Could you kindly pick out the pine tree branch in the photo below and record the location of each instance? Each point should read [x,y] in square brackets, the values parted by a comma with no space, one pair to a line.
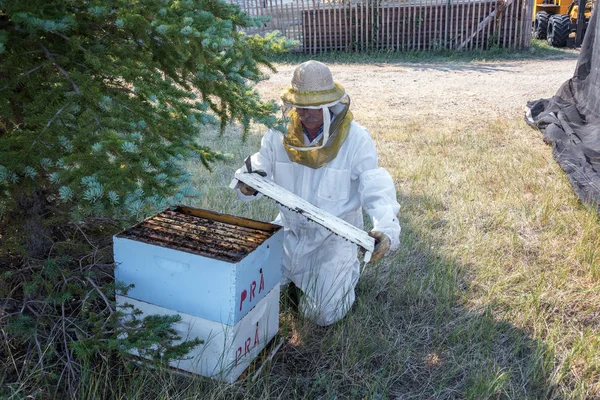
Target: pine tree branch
[32,70]
[10,354]
[62,71]
[67,352]
[53,118]
[64,37]
[91,281]
[4,76]
[95,116]
[40,352]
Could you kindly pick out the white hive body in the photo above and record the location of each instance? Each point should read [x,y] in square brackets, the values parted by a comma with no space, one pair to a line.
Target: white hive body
[219,272]
[227,349]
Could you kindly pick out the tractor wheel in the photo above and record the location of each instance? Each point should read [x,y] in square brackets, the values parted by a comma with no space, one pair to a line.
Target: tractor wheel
[558,30]
[540,25]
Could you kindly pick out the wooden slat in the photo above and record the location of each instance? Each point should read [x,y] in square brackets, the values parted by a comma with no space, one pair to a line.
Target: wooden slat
[315,27]
[396,29]
[336,28]
[491,27]
[320,29]
[329,43]
[388,25]
[502,22]
[343,24]
[292,6]
[415,25]
[373,12]
[400,27]
[429,17]
[381,25]
[285,19]
[356,35]
[376,19]
[270,12]
[339,27]
[473,22]
[391,24]
[360,20]
[509,15]
[527,21]
[306,23]
[411,26]
[418,25]
[347,22]
[519,25]
[367,27]
[528,13]
[455,23]
[512,25]
[259,14]
[435,13]
[476,33]
[467,22]
[461,31]
[315,214]
[374,16]
[424,25]
[445,21]
[379,20]
[521,40]
[275,16]
[402,19]
[315,31]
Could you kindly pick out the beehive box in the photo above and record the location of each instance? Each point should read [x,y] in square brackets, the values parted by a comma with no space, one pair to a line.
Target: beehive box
[227,350]
[201,263]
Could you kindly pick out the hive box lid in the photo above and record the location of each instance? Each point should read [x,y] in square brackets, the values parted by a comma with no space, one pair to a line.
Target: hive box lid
[227,350]
[199,262]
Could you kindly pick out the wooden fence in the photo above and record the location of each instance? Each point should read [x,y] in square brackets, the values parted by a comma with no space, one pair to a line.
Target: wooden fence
[396,25]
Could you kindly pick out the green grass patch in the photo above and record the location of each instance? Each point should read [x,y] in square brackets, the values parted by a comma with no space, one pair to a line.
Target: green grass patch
[539,50]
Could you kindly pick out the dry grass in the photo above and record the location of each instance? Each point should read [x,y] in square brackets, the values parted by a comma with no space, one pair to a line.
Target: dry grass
[495,291]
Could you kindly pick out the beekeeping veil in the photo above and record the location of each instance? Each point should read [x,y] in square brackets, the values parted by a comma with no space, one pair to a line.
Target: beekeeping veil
[313,88]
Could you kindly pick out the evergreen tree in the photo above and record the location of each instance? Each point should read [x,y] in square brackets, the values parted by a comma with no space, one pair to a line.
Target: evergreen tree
[100,105]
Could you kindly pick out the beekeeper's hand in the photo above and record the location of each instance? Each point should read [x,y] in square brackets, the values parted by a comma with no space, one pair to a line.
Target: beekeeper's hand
[246,189]
[382,245]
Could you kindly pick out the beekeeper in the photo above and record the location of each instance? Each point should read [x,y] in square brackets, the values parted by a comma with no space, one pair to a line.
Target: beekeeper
[329,160]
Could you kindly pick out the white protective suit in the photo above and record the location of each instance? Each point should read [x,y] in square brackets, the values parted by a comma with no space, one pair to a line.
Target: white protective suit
[323,265]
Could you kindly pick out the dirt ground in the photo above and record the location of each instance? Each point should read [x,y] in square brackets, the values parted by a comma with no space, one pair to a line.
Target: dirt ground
[440,92]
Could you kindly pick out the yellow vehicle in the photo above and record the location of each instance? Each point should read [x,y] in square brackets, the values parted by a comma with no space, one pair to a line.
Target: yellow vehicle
[555,20]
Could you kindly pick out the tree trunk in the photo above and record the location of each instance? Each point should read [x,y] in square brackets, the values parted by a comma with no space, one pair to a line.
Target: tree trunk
[30,223]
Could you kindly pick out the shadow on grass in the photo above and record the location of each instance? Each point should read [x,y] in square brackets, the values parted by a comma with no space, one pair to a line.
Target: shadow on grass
[409,336]
[539,50]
